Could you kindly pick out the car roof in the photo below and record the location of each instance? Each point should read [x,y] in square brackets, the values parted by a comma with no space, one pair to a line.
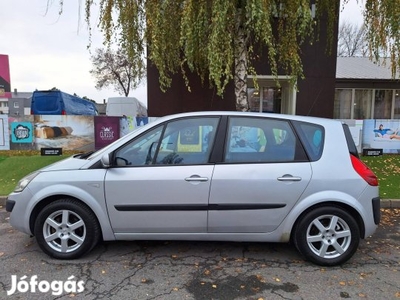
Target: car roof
[317,120]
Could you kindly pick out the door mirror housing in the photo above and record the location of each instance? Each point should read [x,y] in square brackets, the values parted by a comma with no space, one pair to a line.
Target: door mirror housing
[105,160]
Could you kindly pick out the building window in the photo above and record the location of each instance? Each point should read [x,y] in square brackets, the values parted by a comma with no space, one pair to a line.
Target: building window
[366,104]
[265,99]
[342,104]
[383,104]
[397,104]
[362,104]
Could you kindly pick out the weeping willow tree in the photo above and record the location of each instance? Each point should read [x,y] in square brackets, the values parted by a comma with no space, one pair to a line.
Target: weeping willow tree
[216,38]
[382,20]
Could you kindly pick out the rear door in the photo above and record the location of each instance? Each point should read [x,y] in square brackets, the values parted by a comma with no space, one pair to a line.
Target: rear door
[264,173]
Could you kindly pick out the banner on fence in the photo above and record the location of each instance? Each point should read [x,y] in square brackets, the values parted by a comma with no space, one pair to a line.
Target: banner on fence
[382,134]
[4,136]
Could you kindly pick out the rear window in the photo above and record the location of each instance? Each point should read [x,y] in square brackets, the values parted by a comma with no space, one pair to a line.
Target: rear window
[350,142]
[46,103]
[312,137]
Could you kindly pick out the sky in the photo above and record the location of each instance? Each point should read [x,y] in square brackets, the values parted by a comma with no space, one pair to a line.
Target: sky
[49,50]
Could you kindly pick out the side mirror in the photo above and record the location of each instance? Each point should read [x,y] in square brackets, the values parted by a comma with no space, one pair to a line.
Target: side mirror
[105,160]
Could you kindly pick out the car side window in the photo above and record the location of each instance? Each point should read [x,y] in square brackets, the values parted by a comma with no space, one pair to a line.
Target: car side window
[187,141]
[313,137]
[261,140]
[139,151]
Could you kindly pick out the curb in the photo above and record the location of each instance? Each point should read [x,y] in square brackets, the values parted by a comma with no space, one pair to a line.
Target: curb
[385,203]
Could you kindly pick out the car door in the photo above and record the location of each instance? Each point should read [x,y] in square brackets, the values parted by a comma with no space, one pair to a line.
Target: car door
[263,174]
[160,181]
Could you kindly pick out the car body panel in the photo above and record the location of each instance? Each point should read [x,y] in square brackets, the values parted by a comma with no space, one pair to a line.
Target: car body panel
[158,198]
[268,200]
[206,200]
[86,185]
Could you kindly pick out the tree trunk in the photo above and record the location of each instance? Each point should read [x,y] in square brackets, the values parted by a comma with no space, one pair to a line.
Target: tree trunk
[240,77]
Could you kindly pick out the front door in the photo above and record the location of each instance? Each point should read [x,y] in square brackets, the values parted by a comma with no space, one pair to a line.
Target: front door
[160,181]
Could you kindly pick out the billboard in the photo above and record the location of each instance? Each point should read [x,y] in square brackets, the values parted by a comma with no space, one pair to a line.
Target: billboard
[106,130]
[72,132]
[5,82]
[382,134]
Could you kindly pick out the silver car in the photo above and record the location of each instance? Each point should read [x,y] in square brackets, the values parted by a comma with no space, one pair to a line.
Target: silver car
[213,176]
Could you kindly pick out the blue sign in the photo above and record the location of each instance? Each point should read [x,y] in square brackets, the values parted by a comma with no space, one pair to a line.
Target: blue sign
[21,132]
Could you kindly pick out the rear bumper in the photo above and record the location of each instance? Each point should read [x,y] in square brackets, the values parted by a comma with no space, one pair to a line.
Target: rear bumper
[376,209]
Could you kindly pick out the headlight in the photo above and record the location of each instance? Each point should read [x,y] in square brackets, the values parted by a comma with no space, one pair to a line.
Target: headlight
[24,182]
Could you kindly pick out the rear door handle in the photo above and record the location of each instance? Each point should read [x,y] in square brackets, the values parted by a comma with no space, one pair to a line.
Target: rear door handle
[288,177]
[196,178]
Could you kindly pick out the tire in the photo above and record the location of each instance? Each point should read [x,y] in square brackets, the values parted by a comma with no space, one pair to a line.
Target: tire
[327,236]
[66,229]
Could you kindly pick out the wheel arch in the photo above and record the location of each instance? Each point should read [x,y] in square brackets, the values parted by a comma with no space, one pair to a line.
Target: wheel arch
[349,209]
[104,230]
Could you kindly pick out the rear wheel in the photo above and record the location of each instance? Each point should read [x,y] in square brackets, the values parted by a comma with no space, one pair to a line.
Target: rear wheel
[66,229]
[327,236]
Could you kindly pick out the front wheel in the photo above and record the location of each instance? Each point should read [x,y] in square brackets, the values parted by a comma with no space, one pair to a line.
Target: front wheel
[327,236]
[66,229]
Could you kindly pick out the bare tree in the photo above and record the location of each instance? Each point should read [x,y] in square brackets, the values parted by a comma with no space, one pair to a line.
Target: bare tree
[114,68]
[352,40]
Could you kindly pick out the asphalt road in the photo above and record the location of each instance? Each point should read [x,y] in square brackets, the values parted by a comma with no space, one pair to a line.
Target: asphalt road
[200,270]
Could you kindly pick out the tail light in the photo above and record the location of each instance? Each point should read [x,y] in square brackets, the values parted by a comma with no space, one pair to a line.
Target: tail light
[63,112]
[365,172]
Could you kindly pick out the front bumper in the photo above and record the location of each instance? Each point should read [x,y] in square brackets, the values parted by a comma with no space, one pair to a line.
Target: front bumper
[9,205]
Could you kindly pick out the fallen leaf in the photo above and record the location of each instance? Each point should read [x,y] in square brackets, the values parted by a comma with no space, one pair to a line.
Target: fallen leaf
[342,283]
[362,295]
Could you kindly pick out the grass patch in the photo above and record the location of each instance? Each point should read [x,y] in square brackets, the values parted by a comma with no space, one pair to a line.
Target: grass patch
[16,164]
[13,168]
[387,168]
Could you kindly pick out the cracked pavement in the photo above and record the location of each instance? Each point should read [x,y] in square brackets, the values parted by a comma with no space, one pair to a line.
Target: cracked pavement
[207,270]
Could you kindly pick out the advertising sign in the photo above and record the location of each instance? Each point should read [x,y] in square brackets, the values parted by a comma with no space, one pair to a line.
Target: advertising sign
[106,131]
[382,134]
[69,132]
[5,83]
[21,132]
